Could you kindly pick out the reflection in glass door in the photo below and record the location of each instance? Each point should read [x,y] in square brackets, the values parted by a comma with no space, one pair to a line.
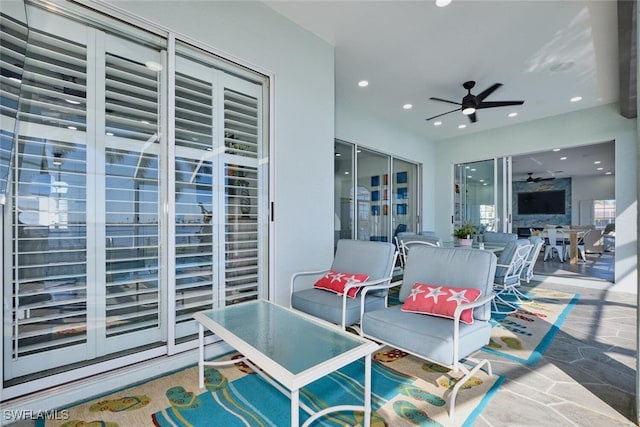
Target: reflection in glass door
[404,212]
[482,195]
[376,195]
[343,191]
[373,196]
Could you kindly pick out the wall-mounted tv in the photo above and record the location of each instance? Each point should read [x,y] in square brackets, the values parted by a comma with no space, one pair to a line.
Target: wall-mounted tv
[541,202]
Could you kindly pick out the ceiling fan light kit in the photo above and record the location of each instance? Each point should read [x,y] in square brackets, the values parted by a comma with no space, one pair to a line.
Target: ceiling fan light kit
[470,103]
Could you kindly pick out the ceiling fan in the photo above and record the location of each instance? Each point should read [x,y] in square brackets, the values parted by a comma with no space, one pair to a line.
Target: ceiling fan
[470,103]
[538,178]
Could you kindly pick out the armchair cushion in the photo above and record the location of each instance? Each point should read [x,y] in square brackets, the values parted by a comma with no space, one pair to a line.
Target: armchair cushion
[335,281]
[424,335]
[440,301]
[328,306]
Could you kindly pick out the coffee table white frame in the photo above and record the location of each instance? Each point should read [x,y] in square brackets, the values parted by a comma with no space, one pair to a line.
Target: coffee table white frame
[260,329]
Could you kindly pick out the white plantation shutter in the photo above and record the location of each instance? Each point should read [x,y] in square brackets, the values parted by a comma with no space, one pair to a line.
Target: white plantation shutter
[13,46]
[194,204]
[131,190]
[49,292]
[53,90]
[97,184]
[241,136]
[48,285]
[196,275]
[132,230]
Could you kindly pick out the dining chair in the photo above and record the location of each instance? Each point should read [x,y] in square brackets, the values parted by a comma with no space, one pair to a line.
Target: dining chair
[554,241]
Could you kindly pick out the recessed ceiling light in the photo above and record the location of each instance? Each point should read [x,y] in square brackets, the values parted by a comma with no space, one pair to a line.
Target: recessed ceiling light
[462,126]
[72,127]
[109,133]
[438,123]
[346,173]
[563,158]
[512,114]
[407,106]
[363,83]
[71,101]
[597,162]
[607,173]
[600,169]
[556,149]
[576,99]
[338,154]
[469,176]
[473,169]
[442,3]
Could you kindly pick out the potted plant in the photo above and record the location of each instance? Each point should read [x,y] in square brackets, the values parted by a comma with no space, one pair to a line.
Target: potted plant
[465,234]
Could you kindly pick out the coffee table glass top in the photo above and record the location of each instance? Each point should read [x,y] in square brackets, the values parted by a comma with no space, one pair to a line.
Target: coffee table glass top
[293,341]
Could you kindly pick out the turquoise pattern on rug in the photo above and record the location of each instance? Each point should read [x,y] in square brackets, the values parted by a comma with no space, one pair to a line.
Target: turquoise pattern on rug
[251,401]
[513,323]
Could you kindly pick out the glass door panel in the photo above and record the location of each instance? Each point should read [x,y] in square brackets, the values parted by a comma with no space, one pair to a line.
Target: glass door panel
[404,190]
[343,191]
[373,196]
[482,195]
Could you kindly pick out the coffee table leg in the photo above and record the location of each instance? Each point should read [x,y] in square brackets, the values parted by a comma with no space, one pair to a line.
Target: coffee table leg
[367,391]
[294,408]
[200,355]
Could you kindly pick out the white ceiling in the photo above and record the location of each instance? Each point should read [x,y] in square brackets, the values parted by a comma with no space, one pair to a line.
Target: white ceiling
[412,50]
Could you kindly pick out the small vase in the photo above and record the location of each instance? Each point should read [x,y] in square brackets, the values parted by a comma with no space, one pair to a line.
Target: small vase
[465,242]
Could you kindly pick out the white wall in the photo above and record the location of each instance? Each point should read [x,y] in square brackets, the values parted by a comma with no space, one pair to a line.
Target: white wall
[590,188]
[303,66]
[584,127]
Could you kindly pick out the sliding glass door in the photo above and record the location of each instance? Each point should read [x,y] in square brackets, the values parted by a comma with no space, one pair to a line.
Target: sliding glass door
[122,219]
[482,195]
[382,200]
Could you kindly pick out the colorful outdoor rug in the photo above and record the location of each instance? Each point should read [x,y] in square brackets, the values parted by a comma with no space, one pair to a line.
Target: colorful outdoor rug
[406,392]
[525,335]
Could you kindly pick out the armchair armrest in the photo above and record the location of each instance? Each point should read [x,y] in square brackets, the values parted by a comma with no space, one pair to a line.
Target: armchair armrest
[456,319]
[300,274]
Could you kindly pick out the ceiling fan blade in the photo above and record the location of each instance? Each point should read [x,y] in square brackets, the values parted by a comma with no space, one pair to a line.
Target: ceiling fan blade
[473,118]
[444,100]
[482,95]
[492,104]
[544,179]
[452,111]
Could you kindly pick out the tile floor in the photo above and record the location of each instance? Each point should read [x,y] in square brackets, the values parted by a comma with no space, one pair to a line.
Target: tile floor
[586,377]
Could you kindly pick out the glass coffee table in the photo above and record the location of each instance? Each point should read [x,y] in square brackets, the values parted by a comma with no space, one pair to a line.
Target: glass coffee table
[291,348]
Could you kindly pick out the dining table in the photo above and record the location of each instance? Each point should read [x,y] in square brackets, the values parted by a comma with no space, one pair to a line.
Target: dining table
[574,236]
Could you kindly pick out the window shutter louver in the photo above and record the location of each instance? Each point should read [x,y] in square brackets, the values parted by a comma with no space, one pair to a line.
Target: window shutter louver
[50,293]
[241,190]
[194,204]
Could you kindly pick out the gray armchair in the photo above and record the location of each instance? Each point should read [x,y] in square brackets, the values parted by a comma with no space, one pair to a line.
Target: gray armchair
[375,259]
[445,341]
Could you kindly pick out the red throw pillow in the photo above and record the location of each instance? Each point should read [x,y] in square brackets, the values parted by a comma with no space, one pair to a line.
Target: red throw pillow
[440,301]
[334,281]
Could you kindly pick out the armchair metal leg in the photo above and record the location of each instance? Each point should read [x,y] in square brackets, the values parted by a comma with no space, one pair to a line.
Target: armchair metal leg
[468,374]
